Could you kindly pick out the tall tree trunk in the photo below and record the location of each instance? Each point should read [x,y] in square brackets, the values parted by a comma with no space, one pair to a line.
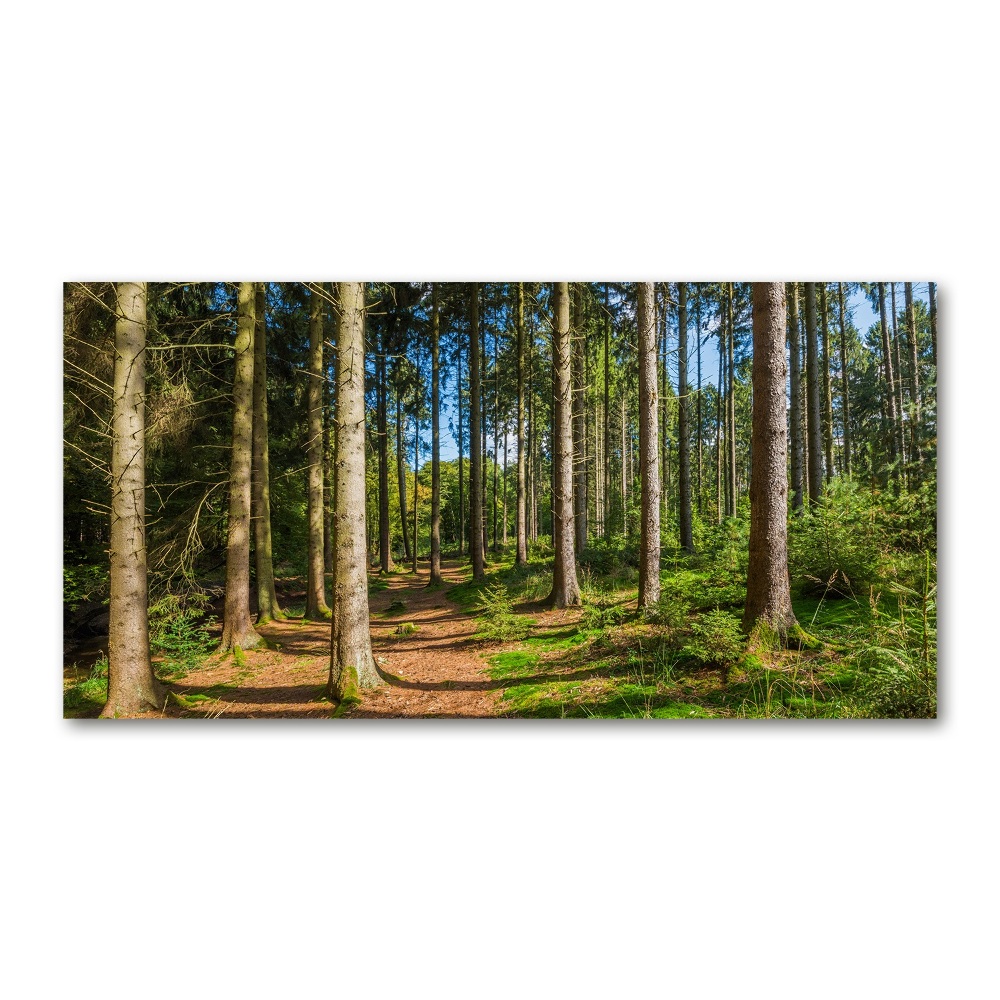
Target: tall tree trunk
[382,431]
[352,665]
[768,594]
[401,475]
[132,688]
[718,418]
[890,384]
[812,394]
[237,629]
[731,396]
[827,388]
[932,300]
[565,589]
[482,380]
[662,411]
[683,426]
[316,606]
[607,415]
[626,447]
[496,429]
[416,463]
[649,471]
[795,383]
[699,405]
[260,501]
[521,557]
[845,389]
[475,442]
[461,462]
[503,488]
[579,426]
[898,369]
[435,441]
[911,336]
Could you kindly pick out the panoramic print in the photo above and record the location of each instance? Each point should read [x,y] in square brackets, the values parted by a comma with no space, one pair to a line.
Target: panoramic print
[500,500]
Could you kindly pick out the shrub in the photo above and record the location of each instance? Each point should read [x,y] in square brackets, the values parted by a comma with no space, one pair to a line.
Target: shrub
[179,631]
[497,619]
[715,638]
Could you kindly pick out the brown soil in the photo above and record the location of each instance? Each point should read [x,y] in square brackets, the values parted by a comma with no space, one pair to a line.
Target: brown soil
[434,671]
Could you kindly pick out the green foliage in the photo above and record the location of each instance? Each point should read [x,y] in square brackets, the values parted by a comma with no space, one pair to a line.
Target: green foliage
[604,612]
[179,632]
[83,584]
[405,629]
[396,608]
[85,698]
[716,638]
[497,620]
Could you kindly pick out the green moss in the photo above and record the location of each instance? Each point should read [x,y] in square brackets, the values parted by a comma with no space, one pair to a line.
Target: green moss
[396,608]
[239,657]
[516,663]
[798,638]
[346,692]
[405,628]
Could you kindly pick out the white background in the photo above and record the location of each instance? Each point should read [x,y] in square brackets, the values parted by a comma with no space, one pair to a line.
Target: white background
[529,140]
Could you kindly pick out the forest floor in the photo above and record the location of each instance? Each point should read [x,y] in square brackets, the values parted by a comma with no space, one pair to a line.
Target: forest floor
[600,660]
[431,664]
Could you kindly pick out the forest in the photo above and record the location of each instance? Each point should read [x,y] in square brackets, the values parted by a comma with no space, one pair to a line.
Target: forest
[500,500]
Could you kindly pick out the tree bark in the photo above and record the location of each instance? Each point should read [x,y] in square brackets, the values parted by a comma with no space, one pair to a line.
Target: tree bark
[382,432]
[435,441]
[795,381]
[565,589]
[890,383]
[731,406]
[768,593]
[237,629]
[649,471]
[607,415]
[132,688]
[932,300]
[911,336]
[316,606]
[401,475]
[845,388]
[475,442]
[827,388]
[352,665]
[683,426]
[461,459]
[898,369]
[268,608]
[813,395]
[521,556]
[579,424]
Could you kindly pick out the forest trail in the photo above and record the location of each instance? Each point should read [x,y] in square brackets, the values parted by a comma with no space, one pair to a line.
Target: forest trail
[422,643]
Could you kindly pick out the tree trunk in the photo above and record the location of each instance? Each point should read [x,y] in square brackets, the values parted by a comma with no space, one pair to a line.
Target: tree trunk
[845,390]
[260,512]
[461,461]
[416,463]
[795,358]
[352,665]
[699,404]
[579,425]
[521,557]
[932,300]
[565,589]
[316,606]
[683,428]
[382,431]
[401,475]
[607,415]
[718,418]
[890,383]
[435,442]
[911,336]
[649,471]
[237,629]
[475,442]
[898,369]
[827,388]
[731,407]
[813,394]
[132,688]
[768,594]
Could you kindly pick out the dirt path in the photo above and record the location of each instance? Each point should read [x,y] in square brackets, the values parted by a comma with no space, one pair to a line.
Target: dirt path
[424,648]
